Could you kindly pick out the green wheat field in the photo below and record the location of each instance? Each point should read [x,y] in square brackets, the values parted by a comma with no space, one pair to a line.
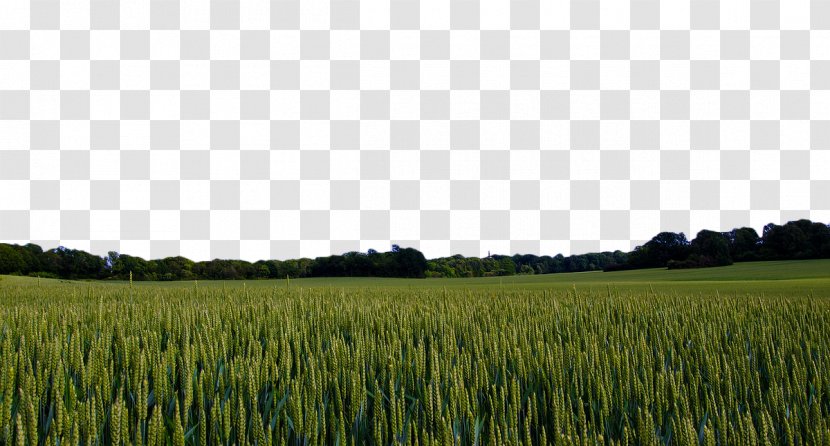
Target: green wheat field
[718,356]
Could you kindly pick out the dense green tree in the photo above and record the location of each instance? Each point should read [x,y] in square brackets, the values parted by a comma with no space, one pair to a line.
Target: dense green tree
[410,263]
[709,248]
[743,244]
[175,268]
[506,266]
[712,247]
[77,264]
[658,251]
[787,241]
[799,239]
[10,260]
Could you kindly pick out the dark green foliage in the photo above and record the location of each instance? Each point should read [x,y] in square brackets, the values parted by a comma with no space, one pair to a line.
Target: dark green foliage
[713,246]
[10,260]
[743,244]
[77,264]
[661,249]
[173,268]
[801,239]
[74,264]
[709,248]
[406,262]
[526,269]
[498,265]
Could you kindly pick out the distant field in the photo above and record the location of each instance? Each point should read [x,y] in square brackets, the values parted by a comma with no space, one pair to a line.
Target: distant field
[793,277]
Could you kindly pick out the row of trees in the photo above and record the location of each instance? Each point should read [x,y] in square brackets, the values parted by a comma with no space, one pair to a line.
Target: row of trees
[400,262]
[500,265]
[67,263]
[59,262]
[801,239]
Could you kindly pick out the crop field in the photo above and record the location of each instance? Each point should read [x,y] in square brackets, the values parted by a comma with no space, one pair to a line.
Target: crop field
[501,363]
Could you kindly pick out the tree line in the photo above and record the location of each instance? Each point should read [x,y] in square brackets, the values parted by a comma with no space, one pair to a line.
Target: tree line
[801,239]
[502,265]
[65,263]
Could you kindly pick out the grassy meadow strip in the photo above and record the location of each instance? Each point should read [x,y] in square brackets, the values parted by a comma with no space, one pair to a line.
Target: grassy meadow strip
[294,366]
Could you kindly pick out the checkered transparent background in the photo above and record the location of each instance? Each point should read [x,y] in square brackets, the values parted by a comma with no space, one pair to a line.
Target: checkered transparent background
[285,128]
